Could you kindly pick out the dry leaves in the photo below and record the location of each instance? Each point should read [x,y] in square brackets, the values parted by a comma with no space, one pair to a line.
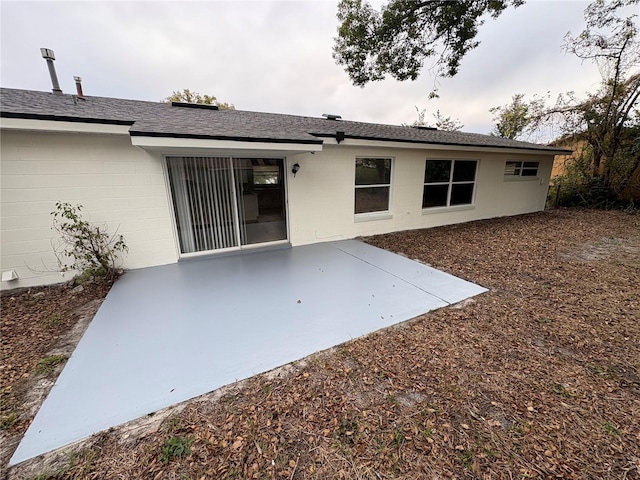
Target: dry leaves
[538,378]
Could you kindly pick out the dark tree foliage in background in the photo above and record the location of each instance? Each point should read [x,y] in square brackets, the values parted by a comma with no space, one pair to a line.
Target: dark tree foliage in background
[398,39]
[607,122]
[187,96]
[603,128]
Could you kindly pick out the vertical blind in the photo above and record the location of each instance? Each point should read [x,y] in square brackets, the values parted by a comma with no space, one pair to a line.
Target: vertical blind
[205,193]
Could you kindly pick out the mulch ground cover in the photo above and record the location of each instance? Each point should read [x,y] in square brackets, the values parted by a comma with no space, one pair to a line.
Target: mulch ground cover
[537,378]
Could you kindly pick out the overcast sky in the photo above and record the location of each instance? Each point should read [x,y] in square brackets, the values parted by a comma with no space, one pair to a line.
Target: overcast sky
[276,57]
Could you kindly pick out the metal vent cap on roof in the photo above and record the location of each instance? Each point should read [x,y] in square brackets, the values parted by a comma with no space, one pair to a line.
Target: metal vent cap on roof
[331,116]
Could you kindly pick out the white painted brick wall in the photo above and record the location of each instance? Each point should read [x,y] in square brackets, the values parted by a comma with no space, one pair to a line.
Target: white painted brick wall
[321,196]
[117,184]
[124,186]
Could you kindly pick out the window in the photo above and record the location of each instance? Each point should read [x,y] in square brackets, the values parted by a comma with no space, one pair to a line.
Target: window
[373,185]
[448,183]
[266,175]
[521,169]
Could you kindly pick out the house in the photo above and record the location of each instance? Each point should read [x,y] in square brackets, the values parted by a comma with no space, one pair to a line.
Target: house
[182,180]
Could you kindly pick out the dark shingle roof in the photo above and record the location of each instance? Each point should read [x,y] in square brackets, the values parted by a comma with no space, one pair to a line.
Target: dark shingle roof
[164,120]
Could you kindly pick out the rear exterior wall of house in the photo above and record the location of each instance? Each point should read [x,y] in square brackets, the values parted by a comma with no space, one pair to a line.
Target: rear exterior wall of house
[126,188]
[321,196]
[117,184]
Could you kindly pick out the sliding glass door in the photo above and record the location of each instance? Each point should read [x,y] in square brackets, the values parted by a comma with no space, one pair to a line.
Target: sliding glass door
[227,203]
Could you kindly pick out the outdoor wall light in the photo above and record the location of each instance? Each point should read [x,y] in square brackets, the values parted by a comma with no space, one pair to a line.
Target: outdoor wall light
[295,168]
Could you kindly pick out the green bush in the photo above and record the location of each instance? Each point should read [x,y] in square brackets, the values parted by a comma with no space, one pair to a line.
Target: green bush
[86,247]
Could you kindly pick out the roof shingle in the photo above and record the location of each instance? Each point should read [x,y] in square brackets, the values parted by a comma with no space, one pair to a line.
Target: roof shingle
[164,120]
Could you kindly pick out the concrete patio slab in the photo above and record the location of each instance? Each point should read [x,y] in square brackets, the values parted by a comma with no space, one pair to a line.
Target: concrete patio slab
[167,334]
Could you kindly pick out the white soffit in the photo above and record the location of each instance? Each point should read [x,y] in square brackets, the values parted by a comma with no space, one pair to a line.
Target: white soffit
[61,126]
[437,146]
[170,145]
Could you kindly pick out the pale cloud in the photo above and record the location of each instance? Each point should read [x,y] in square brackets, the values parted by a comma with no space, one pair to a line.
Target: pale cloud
[276,57]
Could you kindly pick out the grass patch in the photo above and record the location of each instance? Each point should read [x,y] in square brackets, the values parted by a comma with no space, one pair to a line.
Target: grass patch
[53,321]
[9,420]
[176,447]
[48,364]
[611,429]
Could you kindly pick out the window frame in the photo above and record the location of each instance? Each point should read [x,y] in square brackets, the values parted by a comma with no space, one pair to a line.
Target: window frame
[449,184]
[519,169]
[378,214]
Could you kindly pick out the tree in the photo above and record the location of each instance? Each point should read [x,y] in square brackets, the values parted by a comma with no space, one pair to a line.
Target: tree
[447,123]
[441,122]
[605,119]
[188,96]
[518,118]
[399,38]
[604,128]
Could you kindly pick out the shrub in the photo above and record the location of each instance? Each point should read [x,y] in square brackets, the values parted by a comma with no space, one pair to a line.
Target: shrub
[85,247]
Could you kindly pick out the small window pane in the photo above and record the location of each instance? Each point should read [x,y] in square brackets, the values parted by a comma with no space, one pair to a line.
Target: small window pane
[461,194]
[530,172]
[435,196]
[437,171]
[464,171]
[373,171]
[531,164]
[512,168]
[266,175]
[373,199]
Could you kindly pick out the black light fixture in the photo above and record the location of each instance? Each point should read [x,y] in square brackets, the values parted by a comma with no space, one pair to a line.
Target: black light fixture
[295,168]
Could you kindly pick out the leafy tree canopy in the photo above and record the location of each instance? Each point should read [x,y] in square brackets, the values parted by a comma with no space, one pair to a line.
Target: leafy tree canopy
[399,38]
[518,118]
[441,122]
[188,96]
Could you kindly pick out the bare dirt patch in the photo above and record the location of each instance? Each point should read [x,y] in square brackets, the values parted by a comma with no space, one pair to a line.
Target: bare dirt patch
[603,248]
[537,378]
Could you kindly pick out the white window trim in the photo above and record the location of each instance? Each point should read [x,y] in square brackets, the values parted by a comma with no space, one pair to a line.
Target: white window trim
[519,177]
[450,183]
[454,208]
[371,216]
[380,214]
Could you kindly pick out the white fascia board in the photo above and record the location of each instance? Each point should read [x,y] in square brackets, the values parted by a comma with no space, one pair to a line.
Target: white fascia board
[437,146]
[177,145]
[27,124]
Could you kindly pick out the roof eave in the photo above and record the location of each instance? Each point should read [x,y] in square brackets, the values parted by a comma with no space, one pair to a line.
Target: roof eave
[403,143]
[239,138]
[181,144]
[63,118]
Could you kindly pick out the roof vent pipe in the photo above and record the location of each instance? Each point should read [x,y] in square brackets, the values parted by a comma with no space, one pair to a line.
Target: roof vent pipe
[49,56]
[78,80]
